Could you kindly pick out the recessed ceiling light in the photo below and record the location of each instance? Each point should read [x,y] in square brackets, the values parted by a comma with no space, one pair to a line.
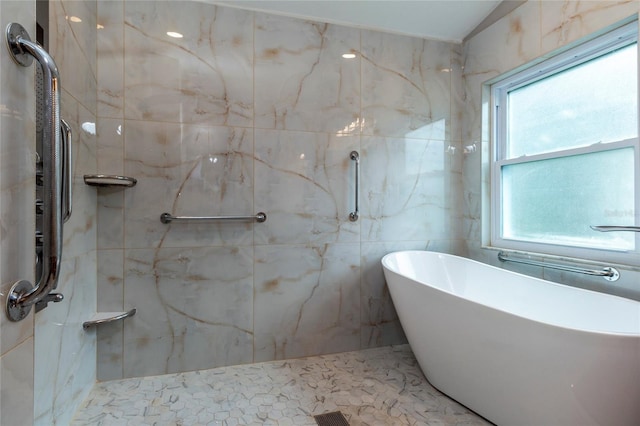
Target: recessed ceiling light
[348,55]
[174,34]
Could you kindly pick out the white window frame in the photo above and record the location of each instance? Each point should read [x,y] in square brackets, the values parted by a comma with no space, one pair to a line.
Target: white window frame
[499,88]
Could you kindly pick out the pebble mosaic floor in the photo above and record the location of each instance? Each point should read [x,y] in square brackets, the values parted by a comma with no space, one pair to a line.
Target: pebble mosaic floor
[382,386]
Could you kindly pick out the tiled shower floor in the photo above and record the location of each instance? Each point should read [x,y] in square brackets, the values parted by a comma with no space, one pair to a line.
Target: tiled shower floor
[382,386]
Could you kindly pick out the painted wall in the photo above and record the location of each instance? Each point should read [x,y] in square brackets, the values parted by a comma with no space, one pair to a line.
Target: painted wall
[530,31]
[251,112]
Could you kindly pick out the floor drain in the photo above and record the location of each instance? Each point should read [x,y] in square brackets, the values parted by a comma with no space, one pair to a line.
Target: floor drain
[331,419]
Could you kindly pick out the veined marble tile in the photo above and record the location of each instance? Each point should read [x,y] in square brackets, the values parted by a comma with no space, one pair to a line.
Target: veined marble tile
[203,77]
[306,300]
[110,146]
[110,58]
[518,38]
[16,392]
[110,209]
[407,189]
[305,183]
[458,95]
[187,170]
[110,290]
[406,86]
[81,119]
[563,22]
[17,215]
[194,309]
[302,82]
[380,325]
[65,367]
[110,297]
[73,47]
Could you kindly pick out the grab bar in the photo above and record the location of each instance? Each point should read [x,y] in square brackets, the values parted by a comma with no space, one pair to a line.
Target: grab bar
[168,218]
[606,228]
[67,170]
[608,273]
[23,294]
[353,216]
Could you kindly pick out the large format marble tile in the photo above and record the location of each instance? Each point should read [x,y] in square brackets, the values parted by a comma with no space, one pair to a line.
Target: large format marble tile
[65,367]
[110,299]
[307,300]
[407,189]
[302,82]
[563,22]
[187,170]
[203,77]
[305,183]
[16,392]
[17,179]
[110,58]
[194,309]
[406,86]
[72,44]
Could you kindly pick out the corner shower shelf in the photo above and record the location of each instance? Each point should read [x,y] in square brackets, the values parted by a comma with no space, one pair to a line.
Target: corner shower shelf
[107,317]
[111,181]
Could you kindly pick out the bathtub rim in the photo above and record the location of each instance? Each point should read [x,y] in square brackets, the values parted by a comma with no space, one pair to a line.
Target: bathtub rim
[618,334]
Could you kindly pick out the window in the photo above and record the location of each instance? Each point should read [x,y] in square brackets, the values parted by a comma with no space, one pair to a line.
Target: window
[565,152]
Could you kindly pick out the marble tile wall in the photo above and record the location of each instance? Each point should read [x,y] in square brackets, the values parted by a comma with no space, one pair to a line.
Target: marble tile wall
[17,184]
[253,112]
[64,361]
[532,30]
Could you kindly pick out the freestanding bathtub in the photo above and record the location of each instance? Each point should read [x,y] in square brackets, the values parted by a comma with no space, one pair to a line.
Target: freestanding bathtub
[518,350]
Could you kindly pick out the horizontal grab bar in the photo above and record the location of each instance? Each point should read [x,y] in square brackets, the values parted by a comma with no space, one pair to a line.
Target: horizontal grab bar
[608,273]
[168,218]
[111,317]
[607,228]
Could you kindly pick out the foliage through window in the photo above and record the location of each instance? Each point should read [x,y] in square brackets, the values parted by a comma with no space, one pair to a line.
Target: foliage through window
[565,151]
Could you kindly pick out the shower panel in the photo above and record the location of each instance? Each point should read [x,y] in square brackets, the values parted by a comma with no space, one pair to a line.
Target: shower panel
[53,178]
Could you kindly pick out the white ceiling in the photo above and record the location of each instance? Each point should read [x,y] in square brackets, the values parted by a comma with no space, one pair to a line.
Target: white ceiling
[449,20]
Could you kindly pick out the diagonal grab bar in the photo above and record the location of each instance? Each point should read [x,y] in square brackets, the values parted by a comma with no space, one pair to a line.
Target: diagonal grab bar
[23,294]
[608,273]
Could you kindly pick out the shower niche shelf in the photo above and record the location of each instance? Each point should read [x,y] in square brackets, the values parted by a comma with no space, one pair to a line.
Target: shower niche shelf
[110,181]
[107,318]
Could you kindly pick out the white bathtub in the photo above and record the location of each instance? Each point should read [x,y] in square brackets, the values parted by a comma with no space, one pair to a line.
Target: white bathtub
[515,349]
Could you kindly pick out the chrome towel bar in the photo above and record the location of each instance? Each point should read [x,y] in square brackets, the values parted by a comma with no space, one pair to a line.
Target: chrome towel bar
[608,273]
[168,218]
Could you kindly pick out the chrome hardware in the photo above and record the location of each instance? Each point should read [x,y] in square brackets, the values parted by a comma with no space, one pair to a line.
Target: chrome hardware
[108,317]
[354,156]
[168,218]
[67,170]
[51,297]
[608,273]
[110,181]
[616,228]
[23,294]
